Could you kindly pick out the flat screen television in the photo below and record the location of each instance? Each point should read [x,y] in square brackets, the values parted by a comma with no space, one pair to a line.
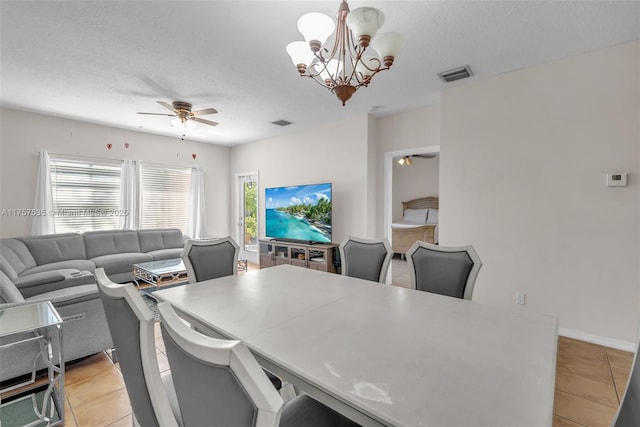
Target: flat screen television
[299,213]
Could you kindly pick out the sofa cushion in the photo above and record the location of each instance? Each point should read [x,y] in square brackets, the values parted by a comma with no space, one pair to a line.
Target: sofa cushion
[55,247]
[120,263]
[166,253]
[8,291]
[15,257]
[99,243]
[162,238]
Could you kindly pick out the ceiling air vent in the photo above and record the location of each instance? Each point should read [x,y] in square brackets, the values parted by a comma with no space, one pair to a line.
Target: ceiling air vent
[455,74]
[281,123]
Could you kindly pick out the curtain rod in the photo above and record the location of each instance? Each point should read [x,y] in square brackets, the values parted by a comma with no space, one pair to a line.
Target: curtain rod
[72,156]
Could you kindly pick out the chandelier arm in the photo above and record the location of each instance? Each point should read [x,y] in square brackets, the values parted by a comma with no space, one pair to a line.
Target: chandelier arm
[376,69]
[357,51]
[319,55]
[332,78]
[318,81]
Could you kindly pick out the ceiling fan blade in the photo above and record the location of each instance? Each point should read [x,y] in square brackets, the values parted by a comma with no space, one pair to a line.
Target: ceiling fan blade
[204,112]
[206,122]
[167,105]
[159,114]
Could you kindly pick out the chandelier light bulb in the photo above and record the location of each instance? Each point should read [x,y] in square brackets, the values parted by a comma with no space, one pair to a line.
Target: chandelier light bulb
[388,45]
[316,28]
[300,55]
[364,22]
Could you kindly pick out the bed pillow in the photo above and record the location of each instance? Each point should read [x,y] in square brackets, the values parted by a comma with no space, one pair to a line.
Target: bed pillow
[432,217]
[415,216]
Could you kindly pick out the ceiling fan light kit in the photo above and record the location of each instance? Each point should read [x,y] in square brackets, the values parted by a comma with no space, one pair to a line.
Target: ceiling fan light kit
[184,117]
[406,160]
[346,68]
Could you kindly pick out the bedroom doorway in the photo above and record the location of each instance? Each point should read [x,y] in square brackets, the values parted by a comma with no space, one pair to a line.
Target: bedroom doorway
[416,176]
[247,232]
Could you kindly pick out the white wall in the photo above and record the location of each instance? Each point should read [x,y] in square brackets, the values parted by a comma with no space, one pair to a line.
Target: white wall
[398,132]
[333,152]
[23,134]
[522,174]
[421,179]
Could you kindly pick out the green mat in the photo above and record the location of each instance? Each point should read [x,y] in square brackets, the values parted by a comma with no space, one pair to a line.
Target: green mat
[18,411]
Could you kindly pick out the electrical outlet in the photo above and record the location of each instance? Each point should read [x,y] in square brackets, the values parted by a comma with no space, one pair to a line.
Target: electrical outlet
[520,298]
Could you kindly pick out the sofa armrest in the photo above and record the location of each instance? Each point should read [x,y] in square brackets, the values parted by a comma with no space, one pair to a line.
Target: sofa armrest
[36,279]
[67,296]
[61,297]
[70,279]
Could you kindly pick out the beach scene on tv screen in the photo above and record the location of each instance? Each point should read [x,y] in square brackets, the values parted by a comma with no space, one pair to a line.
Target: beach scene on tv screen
[301,212]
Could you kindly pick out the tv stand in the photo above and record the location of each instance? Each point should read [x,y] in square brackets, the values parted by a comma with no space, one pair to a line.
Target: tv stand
[316,256]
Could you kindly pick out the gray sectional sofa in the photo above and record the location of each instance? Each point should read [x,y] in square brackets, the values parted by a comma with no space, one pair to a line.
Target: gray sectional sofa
[59,268]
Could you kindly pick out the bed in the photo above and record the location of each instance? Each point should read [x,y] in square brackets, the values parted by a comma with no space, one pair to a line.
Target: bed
[419,222]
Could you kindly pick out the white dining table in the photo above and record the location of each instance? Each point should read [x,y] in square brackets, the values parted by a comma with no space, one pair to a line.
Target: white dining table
[381,354]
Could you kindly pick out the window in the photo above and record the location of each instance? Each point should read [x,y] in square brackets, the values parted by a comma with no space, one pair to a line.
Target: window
[165,197]
[86,195]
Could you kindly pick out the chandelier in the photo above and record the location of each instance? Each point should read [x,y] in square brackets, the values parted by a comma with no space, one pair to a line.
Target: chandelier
[350,64]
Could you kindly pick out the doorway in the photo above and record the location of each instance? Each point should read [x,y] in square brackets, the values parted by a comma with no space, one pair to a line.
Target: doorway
[247,231]
[419,157]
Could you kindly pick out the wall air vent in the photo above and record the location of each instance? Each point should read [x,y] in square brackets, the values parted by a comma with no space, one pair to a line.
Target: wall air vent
[455,74]
[281,123]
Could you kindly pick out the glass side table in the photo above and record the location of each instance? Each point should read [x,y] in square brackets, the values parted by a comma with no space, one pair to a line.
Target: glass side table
[159,273]
[38,322]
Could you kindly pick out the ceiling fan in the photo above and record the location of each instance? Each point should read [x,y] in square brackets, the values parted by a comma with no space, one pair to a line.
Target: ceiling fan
[182,110]
[406,160]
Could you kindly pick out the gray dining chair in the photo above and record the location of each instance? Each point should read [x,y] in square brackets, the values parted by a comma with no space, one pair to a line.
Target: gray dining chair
[152,395]
[366,259]
[443,270]
[219,383]
[629,412]
[210,259]
[214,258]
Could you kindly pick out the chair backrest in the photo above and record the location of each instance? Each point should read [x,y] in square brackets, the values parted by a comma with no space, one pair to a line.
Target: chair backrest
[218,382]
[132,329]
[366,258]
[210,259]
[450,271]
[629,411]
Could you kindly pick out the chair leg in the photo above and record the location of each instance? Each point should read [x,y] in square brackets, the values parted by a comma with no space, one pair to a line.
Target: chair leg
[113,355]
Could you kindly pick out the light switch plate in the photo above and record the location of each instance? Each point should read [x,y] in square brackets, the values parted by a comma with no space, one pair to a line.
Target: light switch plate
[616,179]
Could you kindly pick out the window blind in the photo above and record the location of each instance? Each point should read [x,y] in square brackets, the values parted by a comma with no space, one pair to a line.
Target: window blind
[86,195]
[165,197]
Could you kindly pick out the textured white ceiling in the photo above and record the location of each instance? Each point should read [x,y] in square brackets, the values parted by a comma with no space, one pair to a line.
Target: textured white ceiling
[102,61]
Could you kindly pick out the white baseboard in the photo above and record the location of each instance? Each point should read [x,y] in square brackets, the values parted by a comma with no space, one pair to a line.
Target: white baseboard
[596,339]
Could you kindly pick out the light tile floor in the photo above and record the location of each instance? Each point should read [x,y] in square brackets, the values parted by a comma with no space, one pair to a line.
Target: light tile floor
[590,381]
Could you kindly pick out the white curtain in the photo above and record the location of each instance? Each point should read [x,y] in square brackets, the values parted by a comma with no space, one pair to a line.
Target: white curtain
[43,203]
[197,226]
[130,195]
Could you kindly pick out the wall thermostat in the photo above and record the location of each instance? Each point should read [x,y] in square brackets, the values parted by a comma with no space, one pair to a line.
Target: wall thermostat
[616,179]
